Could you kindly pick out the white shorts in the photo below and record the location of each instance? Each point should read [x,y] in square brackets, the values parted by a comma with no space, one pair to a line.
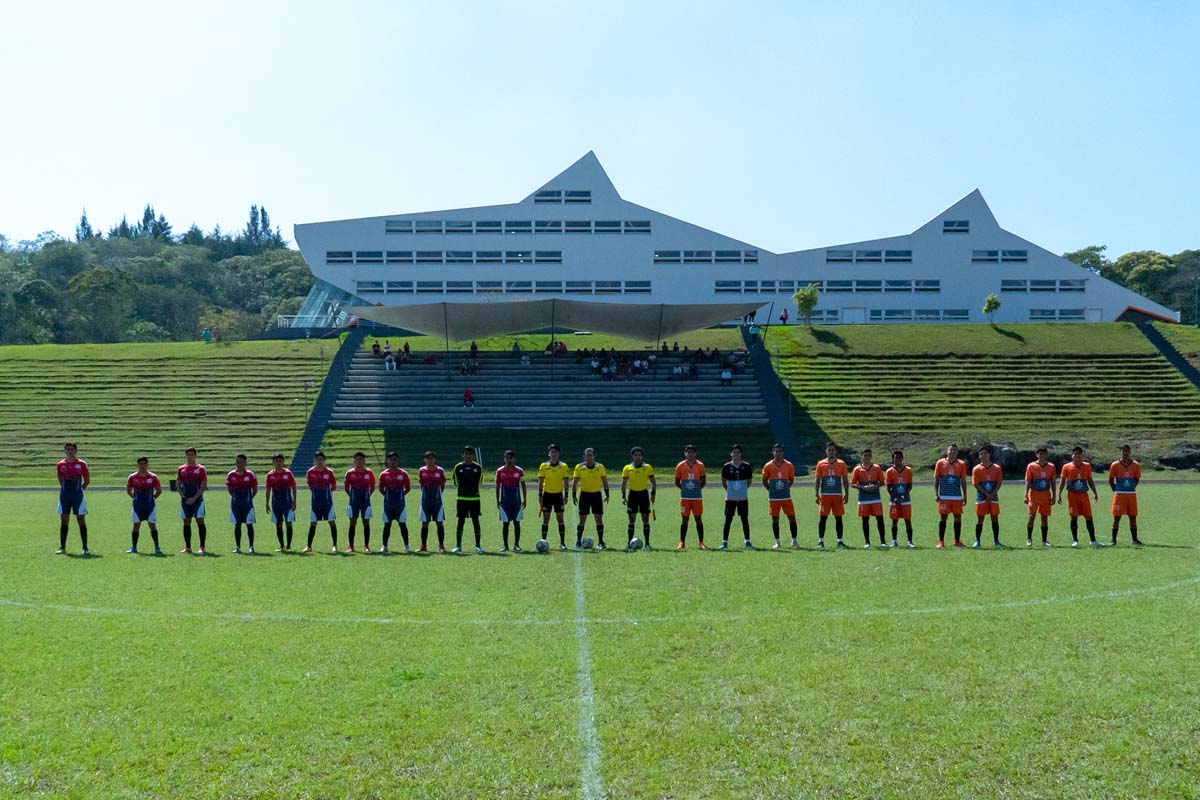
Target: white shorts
[249,516]
[504,517]
[289,517]
[365,512]
[199,510]
[439,517]
[152,519]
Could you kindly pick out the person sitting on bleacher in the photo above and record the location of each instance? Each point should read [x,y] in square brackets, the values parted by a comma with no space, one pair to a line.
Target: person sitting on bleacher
[406,353]
[726,377]
[468,398]
[516,350]
[595,366]
[389,362]
[376,350]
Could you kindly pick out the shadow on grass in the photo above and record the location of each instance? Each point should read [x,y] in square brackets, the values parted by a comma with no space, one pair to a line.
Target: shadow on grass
[831,338]
[1016,337]
[89,556]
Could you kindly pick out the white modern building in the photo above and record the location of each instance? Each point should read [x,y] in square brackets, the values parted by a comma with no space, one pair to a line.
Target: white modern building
[575,254]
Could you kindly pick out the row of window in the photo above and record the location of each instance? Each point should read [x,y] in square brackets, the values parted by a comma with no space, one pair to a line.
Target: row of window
[999,256]
[867,256]
[1047,285]
[1056,315]
[563,196]
[874,286]
[705,256]
[447,226]
[956,226]
[919,315]
[443,257]
[502,287]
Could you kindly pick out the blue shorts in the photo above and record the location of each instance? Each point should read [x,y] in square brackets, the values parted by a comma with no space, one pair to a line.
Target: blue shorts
[195,510]
[241,513]
[72,503]
[432,513]
[510,512]
[144,512]
[395,513]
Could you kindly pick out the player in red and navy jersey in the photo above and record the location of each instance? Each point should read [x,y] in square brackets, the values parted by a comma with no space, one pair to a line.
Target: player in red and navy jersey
[73,478]
[143,488]
[1124,475]
[432,480]
[191,479]
[510,499]
[1075,480]
[321,482]
[281,500]
[359,486]
[394,484]
[242,485]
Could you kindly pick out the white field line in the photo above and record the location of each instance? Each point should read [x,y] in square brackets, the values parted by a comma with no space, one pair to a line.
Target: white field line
[589,766]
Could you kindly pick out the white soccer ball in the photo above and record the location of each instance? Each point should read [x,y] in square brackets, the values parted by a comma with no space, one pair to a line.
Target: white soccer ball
[585,543]
[635,543]
[543,546]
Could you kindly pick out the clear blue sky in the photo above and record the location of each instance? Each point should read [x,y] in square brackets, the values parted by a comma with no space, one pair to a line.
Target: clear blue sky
[789,125]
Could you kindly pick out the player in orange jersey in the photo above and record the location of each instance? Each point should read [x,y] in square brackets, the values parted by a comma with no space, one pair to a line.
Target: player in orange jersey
[867,478]
[1039,495]
[778,475]
[1074,483]
[832,488]
[899,480]
[987,478]
[1124,475]
[690,479]
[950,484]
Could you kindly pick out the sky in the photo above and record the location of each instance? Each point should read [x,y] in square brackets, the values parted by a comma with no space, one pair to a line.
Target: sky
[789,125]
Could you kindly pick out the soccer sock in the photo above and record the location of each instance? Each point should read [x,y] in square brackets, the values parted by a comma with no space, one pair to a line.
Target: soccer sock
[203,531]
[745,527]
[1116,527]
[562,533]
[958,529]
[775,527]
[404,533]
[367,534]
[600,533]
[250,535]
[441,535]
[516,534]
[154,536]
[646,532]
[1091,526]
[1045,529]
[821,528]
[895,529]
[333,533]
[424,535]
[133,537]
[995,529]
[879,528]
[62,535]
[1132,530]
[837,526]
[478,533]
[908,528]
[579,532]
[187,535]
[237,535]
[350,533]
[629,530]
[866,528]
[504,534]
[683,526]
[942,529]
[792,525]
[458,532]
[289,536]
[83,534]
[312,532]
[387,533]
[700,530]
[978,528]
[279,533]
[1075,529]
[728,522]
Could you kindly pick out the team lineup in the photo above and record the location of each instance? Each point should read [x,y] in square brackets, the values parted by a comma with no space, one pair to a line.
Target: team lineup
[586,486]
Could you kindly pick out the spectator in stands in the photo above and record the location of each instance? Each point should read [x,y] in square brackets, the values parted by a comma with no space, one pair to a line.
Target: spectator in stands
[516,349]
[428,359]
[474,348]
[637,365]
[387,348]
[753,333]
[595,366]
[676,347]
[407,353]
[726,377]
[562,347]
[206,334]
[525,361]
[651,360]
[677,371]
[389,362]
[376,350]
[783,316]
[665,349]
[468,398]
[693,371]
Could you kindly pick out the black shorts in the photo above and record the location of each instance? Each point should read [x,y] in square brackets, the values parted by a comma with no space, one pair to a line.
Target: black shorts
[552,501]
[638,501]
[467,509]
[591,503]
[739,507]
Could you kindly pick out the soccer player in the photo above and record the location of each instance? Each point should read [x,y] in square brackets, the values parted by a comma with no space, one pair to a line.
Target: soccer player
[1039,495]
[394,484]
[778,475]
[191,479]
[987,478]
[1075,482]
[281,500]
[359,484]
[321,482]
[638,489]
[867,478]
[899,481]
[143,488]
[73,478]
[242,486]
[832,490]
[510,500]
[432,480]
[467,476]
[690,479]
[588,478]
[735,480]
[1124,475]
[950,484]
[552,483]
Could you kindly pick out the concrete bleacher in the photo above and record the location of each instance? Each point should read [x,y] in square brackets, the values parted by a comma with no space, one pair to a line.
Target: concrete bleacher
[550,392]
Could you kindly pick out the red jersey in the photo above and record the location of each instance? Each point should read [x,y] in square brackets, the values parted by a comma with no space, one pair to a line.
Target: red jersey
[75,471]
[190,478]
[360,479]
[241,483]
[321,478]
[279,481]
[143,484]
[509,477]
[432,477]
[392,480]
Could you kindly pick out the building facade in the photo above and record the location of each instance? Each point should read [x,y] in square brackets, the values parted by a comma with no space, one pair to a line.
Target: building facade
[576,240]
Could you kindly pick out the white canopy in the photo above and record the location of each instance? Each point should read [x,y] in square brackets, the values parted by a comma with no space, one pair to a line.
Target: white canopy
[461,321]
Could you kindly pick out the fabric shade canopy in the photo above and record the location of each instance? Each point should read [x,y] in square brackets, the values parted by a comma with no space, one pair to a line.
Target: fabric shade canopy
[460,321]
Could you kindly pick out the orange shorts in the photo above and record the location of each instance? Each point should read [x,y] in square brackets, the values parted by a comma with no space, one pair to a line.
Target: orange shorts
[1036,506]
[691,507]
[988,508]
[900,511]
[870,509]
[950,507]
[1124,505]
[832,504]
[1079,504]
[785,506]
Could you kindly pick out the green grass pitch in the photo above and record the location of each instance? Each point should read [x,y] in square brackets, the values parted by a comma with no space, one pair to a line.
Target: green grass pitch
[995,674]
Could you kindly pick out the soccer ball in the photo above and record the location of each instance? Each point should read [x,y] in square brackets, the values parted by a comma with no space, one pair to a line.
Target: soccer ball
[585,543]
[635,543]
[543,546]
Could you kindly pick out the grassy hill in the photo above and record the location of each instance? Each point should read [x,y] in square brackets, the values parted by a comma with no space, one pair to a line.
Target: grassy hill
[918,387]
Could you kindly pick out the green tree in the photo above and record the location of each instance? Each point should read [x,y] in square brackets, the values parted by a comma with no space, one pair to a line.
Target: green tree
[39,321]
[991,304]
[194,236]
[1092,257]
[806,300]
[102,304]
[1144,271]
[84,231]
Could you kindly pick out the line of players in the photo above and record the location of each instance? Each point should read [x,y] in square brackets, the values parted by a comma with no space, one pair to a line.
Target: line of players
[590,491]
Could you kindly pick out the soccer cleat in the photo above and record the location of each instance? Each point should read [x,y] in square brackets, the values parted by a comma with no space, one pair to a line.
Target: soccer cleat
[883,546]
[187,550]
[1075,543]
[977,545]
[278,549]
[1114,542]
[913,546]
[747,545]
[366,550]
[333,549]
[87,553]
[158,551]
[842,545]
[602,546]
[1000,546]
[1046,543]
[383,551]
[562,547]
[504,549]
[250,551]
[680,546]
[1136,542]
[306,550]
[867,546]
[723,546]
[517,548]
[776,545]
[480,549]
[441,549]
[132,550]
[350,549]
[941,545]
[237,550]
[60,551]
[456,550]
[795,543]
[1097,544]
[820,544]
[702,546]
[407,549]
[202,551]
[958,543]
[894,543]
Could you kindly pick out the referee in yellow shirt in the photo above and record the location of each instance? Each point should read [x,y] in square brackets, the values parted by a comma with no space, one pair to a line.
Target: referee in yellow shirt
[638,488]
[589,478]
[552,481]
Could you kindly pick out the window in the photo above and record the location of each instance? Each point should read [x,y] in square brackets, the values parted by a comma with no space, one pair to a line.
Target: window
[787,286]
[876,315]
[1073,285]
[398,226]
[839,286]
[697,256]
[489,287]
[1014,255]
[666,257]
[579,226]
[766,287]
[429,256]
[985,255]
[637,226]
[369,287]
[548,226]
[578,196]
[1070,315]
[868,256]
[1043,286]
[518,227]
[487,257]
[898,315]
[729,256]
[518,287]
[956,226]
[547,257]
[518,257]
[927,315]
[488,227]
[547,287]
[607,226]
[825,315]
[897,256]
[800,284]
[637,287]
[460,226]
[729,287]
[897,286]
[400,287]
[750,256]
[750,287]
[927,285]
[429,226]
[459,287]
[838,256]
[1042,314]
[429,287]
[548,196]
[399,257]
[868,286]
[459,256]
[339,257]
[955,315]
[1014,285]
[579,287]
[608,287]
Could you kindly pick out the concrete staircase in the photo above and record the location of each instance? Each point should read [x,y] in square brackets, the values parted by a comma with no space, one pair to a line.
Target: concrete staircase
[1170,353]
[323,407]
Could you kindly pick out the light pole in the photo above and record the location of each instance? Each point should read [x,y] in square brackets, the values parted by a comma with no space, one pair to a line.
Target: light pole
[307,384]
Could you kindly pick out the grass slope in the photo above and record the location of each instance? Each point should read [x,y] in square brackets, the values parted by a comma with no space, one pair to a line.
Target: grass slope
[924,673]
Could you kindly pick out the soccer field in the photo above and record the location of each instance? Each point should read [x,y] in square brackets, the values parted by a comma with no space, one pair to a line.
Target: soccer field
[1023,673]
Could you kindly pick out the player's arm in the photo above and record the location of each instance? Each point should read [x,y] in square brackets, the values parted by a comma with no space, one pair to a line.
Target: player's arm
[87,477]
[129,487]
[604,483]
[254,490]
[1092,486]
[497,490]
[157,488]
[1112,481]
[524,493]
[653,487]
[203,488]
[346,483]
[1062,481]
[845,479]
[816,487]
[624,485]
[678,481]
[575,490]
[703,479]
[294,490]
